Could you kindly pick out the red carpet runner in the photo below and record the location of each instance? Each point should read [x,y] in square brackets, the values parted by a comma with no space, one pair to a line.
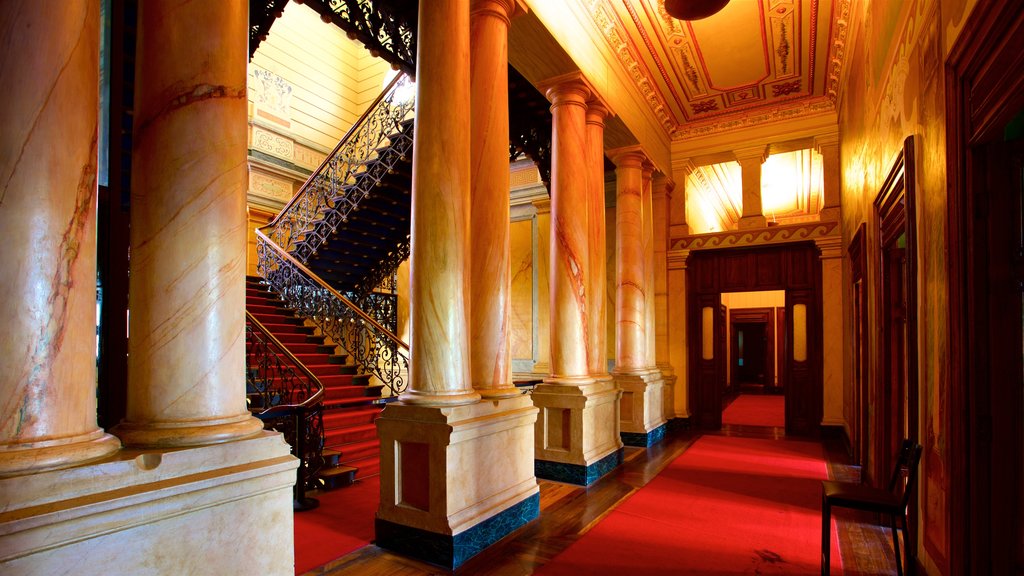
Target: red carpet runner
[341,524]
[726,506]
[756,410]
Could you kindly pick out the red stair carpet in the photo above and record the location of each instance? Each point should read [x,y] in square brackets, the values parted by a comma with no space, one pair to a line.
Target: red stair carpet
[727,505]
[756,410]
[341,524]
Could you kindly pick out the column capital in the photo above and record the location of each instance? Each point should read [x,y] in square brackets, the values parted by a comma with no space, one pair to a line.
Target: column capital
[597,111]
[677,259]
[571,88]
[543,206]
[628,157]
[648,169]
[825,141]
[753,154]
[503,9]
[830,247]
[663,186]
[682,167]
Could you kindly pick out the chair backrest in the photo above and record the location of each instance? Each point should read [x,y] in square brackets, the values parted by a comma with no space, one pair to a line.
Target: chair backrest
[904,474]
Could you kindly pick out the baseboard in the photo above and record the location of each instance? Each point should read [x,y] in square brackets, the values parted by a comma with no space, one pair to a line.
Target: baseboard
[577,473]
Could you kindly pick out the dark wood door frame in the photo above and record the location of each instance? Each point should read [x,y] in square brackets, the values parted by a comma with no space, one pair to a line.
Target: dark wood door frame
[764,316]
[984,91]
[795,268]
[861,400]
[895,387]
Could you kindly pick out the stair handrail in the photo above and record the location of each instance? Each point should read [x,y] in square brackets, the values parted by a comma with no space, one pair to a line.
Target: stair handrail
[375,349]
[301,423]
[292,364]
[322,202]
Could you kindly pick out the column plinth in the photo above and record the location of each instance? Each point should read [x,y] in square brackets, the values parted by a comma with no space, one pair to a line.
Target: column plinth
[48,215]
[187,348]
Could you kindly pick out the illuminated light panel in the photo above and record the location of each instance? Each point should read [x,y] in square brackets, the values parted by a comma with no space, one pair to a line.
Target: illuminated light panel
[791,184]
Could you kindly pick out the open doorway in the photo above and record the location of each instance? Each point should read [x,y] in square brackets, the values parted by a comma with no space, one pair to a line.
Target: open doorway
[756,331]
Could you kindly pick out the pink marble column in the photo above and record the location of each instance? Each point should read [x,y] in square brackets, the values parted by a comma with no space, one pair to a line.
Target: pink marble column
[186,351]
[439,261]
[491,277]
[597,352]
[569,228]
[630,293]
[750,160]
[648,243]
[48,218]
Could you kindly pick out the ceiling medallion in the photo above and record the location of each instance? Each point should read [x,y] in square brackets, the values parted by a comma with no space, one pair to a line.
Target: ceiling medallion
[693,9]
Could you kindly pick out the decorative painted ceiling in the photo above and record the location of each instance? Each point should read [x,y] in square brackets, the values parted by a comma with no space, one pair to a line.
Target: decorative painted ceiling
[754,58]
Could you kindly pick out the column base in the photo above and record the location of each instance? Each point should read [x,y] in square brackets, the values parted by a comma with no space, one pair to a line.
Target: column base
[186,433]
[577,473]
[455,479]
[747,222]
[452,550]
[168,512]
[645,439]
[578,427]
[642,405]
[32,457]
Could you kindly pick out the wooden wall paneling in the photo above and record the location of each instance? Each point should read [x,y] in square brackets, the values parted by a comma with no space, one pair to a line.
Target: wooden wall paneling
[783,348]
[735,272]
[768,270]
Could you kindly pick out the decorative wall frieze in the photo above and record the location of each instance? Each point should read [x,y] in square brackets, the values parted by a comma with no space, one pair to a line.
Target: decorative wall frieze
[763,236]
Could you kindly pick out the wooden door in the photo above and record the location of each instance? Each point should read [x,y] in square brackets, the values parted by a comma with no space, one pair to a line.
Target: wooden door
[861,411]
[803,388]
[706,356]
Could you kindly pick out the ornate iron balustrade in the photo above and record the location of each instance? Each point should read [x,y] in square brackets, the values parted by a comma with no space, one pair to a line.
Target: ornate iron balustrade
[262,14]
[375,349]
[388,29]
[370,150]
[283,393]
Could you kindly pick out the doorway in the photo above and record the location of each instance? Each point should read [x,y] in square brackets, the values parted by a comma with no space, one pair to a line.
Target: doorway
[751,370]
[985,173]
[794,272]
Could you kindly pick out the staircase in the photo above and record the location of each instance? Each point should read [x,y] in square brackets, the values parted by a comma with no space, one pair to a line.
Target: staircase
[350,405]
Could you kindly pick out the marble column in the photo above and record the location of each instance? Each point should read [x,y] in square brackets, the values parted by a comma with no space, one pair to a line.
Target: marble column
[186,353]
[662,192]
[648,243]
[597,352]
[577,437]
[832,324]
[491,274]
[750,160]
[48,215]
[457,474]
[630,307]
[642,418]
[828,147]
[156,510]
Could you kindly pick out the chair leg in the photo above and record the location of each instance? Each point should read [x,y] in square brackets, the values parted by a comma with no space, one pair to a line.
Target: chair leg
[826,536]
[896,546]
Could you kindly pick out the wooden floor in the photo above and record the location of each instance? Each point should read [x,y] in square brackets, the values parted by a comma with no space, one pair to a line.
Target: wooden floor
[568,511]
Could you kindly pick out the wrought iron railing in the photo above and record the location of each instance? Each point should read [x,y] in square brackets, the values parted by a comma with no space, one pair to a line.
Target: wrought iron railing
[283,393]
[375,349]
[370,150]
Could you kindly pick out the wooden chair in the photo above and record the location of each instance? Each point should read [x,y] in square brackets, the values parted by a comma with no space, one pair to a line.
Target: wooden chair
[892,502]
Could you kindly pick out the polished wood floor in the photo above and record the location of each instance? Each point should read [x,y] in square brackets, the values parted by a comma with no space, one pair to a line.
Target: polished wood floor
[569,511]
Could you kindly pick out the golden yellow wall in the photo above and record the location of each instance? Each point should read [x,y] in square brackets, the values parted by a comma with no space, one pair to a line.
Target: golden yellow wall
[522,289]
[894,89]
[333,79]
